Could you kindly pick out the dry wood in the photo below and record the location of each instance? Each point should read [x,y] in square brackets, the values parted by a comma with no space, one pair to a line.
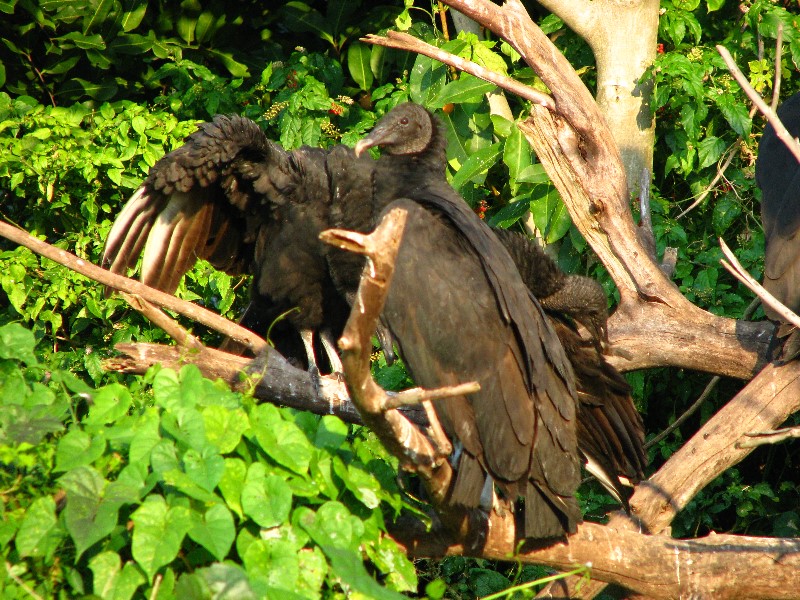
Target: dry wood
[277,382]
[718,567]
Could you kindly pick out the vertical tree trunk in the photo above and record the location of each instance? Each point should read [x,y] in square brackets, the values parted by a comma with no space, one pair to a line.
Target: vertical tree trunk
[623,36]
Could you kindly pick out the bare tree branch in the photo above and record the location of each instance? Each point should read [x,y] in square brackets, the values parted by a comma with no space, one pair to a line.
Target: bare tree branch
[781,131]
[403,41]
[717,566]
[125,284]
[736,269]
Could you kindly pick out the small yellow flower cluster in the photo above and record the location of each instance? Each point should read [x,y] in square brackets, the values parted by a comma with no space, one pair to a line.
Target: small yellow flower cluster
[273,110]
[330,129]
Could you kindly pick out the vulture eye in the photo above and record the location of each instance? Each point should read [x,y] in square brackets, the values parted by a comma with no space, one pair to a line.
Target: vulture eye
[404,121]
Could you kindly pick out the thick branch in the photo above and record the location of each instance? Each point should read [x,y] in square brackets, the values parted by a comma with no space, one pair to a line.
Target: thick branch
[279,383]
[717,566]
[764,404]
[398,435]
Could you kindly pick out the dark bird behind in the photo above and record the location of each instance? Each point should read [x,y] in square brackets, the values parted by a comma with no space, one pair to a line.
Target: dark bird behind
[778,176]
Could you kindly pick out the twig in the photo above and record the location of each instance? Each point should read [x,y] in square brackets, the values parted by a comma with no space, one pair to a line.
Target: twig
[404,41]
[28,590]
[776,87]
[776,436]
[780,130]
[414,396]
[125,284]
[720,172]
[160,319]
[686,414]
[738,271]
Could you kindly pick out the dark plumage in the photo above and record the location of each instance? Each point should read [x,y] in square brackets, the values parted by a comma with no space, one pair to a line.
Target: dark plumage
[610,432]
[610,429]
[231,196]
[778,176]
[580,298]
[459,311]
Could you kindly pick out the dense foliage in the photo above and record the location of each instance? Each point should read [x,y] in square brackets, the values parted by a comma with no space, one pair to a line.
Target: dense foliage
[169,485]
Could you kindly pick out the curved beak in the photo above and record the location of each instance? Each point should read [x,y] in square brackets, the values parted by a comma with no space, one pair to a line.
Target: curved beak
[364,144]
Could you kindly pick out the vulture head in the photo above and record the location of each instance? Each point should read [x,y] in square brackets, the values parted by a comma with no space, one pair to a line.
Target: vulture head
[405,130]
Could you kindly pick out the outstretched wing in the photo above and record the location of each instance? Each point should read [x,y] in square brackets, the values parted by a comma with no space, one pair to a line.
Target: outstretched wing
[205,199]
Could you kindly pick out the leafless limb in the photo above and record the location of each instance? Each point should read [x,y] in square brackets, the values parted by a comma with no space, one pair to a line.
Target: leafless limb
[736,269]
[404,41]
[419,395]
[759,438]
[135,288]
[781,131]
[720,172]
[776,86]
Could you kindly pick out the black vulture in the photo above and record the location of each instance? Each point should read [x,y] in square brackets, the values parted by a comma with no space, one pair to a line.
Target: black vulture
[778,176]
[459,311]
[610,429]
[448,268]
[238,200]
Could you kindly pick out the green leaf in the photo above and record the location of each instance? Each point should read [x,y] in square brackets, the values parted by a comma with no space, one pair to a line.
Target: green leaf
[182,482]
[477,164]
[232,484]
[510,213]
[358,63]
[427,79]
[331,432]
[551,216]
[709,150]
[363,485]
[276,563]
[133,17]
[109,581]
[39,534]
[393,561]
[158,532]
[464,89]
[78,448]
[215,531]
[88,515]
[347,565]
[96,18]
[516,153]
[219,581]
[301,17]
[234,67]
[735,112]
[283,441]
[204,467]
[18,343]
[85,42]
[109,404]
[224,427]
[727,211]
[267,499]
[332,524]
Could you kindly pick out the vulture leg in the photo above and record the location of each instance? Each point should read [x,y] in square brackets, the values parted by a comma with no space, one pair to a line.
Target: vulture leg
[307,335]
[329,344]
